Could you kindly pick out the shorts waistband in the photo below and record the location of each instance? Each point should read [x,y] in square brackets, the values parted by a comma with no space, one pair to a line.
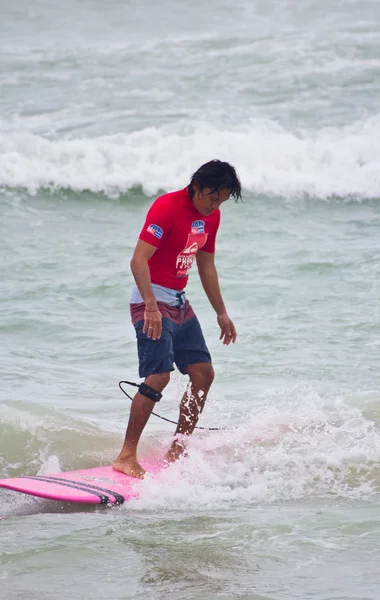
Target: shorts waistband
[162,294]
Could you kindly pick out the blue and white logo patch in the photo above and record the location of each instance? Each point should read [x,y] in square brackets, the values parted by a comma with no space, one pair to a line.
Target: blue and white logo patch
[198,227]
[155,230]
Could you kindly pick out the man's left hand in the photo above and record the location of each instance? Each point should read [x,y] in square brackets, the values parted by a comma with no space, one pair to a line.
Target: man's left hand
[228,331]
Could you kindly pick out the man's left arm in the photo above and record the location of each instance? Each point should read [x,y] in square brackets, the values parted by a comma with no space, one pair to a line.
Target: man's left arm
[210,282]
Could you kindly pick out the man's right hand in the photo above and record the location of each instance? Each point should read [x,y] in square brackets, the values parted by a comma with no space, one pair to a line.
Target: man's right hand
[152,323]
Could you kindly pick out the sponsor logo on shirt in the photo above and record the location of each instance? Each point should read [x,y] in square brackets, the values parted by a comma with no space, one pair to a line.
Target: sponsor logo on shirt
[155,230]
[198,227]
[193,249]
[185,259]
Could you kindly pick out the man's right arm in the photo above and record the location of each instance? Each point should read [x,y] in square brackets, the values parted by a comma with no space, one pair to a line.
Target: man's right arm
[140,269]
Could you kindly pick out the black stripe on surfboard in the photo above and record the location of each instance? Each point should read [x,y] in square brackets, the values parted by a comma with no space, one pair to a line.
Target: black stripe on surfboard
[87,486]
[103,498]
[84,487]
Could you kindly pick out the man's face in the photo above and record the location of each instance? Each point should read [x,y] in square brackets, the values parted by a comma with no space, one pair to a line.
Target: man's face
[206,201]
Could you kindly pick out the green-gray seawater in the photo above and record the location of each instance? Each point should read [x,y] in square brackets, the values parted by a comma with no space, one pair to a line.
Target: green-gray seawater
[101,109]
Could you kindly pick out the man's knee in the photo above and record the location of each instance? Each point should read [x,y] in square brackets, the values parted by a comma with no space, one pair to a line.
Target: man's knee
[201,375]
[158,381]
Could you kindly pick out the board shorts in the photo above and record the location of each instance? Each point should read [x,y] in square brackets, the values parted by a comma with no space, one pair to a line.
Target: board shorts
[181,342]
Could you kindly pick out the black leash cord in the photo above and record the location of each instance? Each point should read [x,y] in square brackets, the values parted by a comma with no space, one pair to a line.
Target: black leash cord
[159,416]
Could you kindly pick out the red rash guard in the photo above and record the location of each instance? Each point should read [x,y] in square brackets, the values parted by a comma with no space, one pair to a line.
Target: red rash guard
[178,231]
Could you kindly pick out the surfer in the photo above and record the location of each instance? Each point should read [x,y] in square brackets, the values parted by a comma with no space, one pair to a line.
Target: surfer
[180,226]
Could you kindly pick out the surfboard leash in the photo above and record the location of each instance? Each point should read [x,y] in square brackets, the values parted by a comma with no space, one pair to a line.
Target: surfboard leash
[159,416]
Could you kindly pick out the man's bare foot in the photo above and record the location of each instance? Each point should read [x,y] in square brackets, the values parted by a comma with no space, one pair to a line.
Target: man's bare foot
[130,467]
[175,451]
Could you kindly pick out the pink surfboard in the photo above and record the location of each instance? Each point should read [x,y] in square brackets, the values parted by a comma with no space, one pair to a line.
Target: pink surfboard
[100,485]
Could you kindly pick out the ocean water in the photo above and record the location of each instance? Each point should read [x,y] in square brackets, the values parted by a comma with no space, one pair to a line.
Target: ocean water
[102,107]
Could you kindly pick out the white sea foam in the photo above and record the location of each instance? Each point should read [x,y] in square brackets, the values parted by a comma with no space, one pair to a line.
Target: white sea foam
[49,463]
[312,449]
[270,160]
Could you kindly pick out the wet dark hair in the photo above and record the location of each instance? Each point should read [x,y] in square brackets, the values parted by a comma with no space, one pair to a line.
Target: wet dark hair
[216,175]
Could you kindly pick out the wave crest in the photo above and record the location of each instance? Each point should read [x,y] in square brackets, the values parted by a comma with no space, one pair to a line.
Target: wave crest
[270,160]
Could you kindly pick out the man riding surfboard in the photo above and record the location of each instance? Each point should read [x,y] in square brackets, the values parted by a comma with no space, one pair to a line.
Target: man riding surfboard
[180,227]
